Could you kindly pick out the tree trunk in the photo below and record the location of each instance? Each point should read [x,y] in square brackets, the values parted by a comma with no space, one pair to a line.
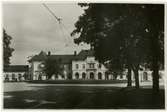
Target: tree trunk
[136,78]
[136,73]
[129,77]
[155,76]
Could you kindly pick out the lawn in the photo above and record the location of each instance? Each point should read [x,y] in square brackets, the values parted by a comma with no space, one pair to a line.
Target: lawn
[53,96]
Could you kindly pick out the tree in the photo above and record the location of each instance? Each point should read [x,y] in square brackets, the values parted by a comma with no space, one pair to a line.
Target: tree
[7,50]
[52,67]
[101,24]
[118,32]
[156,29]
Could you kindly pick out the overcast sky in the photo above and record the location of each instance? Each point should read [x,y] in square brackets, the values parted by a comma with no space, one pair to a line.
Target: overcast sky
[34,29]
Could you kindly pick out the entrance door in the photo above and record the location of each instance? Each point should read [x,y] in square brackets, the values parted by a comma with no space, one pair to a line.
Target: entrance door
[77,75]
[84,75]
[99,75]
[91,75]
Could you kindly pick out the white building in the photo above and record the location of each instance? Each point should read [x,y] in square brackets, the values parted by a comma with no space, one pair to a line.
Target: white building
[86,67]
[15,73]
[81,66]
[76,66]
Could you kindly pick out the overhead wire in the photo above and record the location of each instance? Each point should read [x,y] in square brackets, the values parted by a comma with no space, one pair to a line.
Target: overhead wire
[58,19]
[61,25]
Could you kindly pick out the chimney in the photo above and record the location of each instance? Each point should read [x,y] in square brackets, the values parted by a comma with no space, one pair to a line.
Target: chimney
[75,53]
[49,53]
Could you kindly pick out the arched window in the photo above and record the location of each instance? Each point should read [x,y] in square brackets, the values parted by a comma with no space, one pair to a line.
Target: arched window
[84,75]
[91,75]
[77,75]
[99,75]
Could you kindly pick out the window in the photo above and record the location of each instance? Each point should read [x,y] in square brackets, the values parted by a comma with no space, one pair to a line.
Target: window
[91,65]
[77,66]
[83,66]
[83,75]
[145,76]
[99,75]
[13,76]
[121,76]
[91,75]
[99,65]
[77,75]
[7,75]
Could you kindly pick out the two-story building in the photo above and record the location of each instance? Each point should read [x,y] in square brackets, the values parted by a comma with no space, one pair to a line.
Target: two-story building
[76,66]
[86,67]
[81,66]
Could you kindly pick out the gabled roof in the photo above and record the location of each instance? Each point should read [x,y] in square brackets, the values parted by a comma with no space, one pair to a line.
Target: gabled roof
[40,57]
[64,58]
[86,53]
[16,68]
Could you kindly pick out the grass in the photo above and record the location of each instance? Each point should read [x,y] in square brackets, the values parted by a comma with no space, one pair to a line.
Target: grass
[74,97]
[77,81]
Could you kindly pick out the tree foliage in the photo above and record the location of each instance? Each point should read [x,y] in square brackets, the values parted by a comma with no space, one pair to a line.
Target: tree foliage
[52,67]
[7,50]
[123,34]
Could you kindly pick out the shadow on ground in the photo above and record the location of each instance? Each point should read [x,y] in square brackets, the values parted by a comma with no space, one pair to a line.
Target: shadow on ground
[76,97]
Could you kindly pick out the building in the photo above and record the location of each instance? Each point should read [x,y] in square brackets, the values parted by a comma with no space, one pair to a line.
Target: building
[76,66]
[84,66]
[81,66]
[16,73]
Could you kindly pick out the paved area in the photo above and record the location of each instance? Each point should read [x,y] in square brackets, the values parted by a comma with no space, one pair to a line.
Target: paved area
[63,96]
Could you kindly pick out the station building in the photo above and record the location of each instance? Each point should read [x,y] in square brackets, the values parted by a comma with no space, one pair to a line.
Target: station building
[81,66]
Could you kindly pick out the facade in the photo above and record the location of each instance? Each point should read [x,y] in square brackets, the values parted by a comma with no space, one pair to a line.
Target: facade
[36,66]
[81,66]
[76,66]
[86,67]
[15,73]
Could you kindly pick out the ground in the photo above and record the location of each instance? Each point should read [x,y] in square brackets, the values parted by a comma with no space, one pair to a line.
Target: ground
[82,96]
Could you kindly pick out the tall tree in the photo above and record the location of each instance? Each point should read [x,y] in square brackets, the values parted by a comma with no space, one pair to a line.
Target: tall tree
[156,30]
[118,32]
[7,50]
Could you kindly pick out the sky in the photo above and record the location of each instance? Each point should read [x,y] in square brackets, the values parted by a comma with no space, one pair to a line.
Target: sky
[34,29]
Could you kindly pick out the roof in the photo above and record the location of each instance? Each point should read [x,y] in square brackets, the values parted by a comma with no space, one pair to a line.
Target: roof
[86,53]
[16,68]
[64,58]
[40,57]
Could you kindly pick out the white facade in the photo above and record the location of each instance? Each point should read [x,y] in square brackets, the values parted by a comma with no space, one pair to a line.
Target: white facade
[83,67]
[88,69]
[36,71]
[38,74]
